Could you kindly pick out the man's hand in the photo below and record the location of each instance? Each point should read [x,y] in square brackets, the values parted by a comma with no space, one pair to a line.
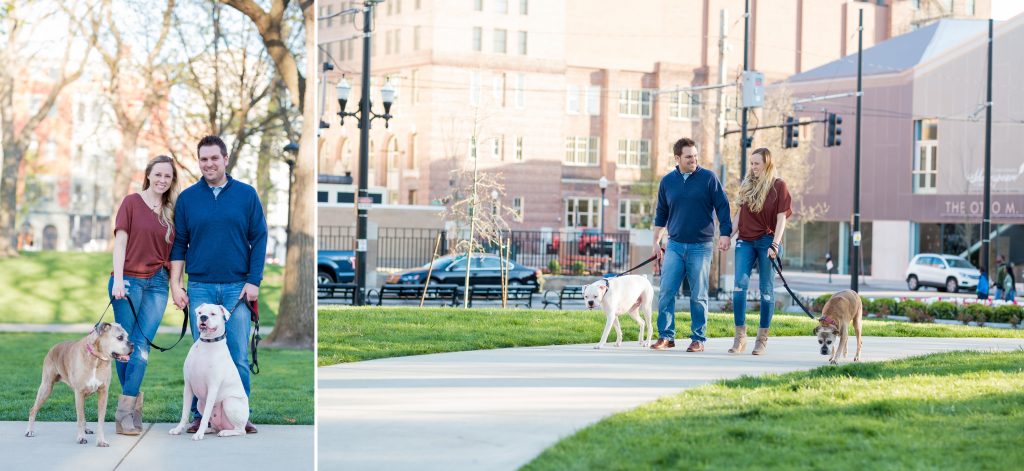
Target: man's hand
[179,296]
[724,242]
[658,252]
[250,291]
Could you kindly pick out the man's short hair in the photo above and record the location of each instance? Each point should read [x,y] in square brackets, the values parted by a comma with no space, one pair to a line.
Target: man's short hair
[213,141]
[677,149]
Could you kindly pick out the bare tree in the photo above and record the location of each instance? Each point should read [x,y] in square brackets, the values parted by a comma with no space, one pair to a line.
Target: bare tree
[18,131]
[294,325]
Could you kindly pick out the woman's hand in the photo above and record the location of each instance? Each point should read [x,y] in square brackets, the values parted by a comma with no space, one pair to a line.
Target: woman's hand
[773,251]
[118,291]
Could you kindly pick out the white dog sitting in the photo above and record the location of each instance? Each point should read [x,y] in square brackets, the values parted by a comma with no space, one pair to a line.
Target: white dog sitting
[622,294]
[211,376]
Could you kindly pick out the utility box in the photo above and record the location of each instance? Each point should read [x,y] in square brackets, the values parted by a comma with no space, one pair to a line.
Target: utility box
[753,89]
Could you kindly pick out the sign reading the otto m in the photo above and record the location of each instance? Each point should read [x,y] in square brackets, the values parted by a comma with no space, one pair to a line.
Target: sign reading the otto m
[959,207]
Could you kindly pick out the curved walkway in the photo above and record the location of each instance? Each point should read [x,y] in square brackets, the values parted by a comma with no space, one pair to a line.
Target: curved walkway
[498,409]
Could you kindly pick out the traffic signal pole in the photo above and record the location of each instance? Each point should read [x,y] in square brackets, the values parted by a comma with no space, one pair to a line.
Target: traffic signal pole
[855,236]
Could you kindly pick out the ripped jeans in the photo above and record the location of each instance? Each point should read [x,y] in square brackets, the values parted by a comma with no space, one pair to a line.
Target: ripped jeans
[747,253]
[149,296]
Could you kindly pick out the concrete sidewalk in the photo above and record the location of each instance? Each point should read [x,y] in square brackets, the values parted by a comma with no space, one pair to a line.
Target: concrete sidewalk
[498,409]
[53,448]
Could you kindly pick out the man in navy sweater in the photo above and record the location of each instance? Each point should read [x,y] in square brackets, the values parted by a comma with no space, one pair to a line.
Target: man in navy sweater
[687,198]
[221,242]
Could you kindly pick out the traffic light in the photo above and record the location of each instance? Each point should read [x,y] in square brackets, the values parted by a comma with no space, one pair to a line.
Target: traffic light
[834,131]
[792,132]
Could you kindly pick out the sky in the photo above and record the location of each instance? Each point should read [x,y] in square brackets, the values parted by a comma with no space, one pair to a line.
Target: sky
[1006,9]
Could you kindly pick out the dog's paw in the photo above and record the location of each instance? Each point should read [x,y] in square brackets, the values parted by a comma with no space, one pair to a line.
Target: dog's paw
[833,362]
[102,444]
[30,433]
[88,431]
[618,344]
[856,358]
[176,430]
[198,436]
[82,441]
[597,347]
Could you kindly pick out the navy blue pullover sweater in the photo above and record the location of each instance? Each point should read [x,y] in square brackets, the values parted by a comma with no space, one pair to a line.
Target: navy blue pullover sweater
[222,239]
[685,207]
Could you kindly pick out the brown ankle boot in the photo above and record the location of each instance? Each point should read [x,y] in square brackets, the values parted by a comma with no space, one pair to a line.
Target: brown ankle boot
[739,343]
[137,415]
[124,417]
[761,344]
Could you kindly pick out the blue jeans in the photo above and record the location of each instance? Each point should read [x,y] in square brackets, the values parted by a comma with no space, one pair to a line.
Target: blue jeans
[694,262]
[149,296]
[236,330]
[749,252]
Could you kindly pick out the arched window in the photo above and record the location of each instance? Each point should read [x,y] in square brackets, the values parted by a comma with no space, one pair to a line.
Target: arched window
[413,150]
[393,155]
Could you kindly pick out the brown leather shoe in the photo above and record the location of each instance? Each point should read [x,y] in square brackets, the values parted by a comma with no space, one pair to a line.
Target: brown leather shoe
[194,426]
[695,346]
[250,428]
[663,344]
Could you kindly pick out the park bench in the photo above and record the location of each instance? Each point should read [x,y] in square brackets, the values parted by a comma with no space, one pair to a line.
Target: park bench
[567,293]
[443,293]
[337,291]
[517,294]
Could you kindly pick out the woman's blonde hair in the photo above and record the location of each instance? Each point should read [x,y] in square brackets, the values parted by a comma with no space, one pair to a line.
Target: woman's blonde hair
[169,197]
[754,190]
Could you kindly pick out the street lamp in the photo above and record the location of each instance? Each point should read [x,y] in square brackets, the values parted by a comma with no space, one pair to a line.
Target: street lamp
[603,183]
[365,115]
[291,150]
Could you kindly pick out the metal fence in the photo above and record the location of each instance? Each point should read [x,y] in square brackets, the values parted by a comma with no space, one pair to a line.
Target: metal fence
[576,252]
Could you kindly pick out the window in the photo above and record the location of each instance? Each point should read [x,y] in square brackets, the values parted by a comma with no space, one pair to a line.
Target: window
[926,149]
[387,41]
[474,88]
[635,214]
[517,207]
[916,4]
[398,7]
[393,155]
[635,103]
[519,148]
[634,153]
[415,75]
[478,39]
[522,43]
[416,38]
[572,99]
[581,212]
[500,38]
[412,196]
[593,100]
[581,150]
[496,147]
[411,163]
[418,4]
[501,6]
[520,95]
[472,148]
[971,7]
[330,19]
[498,89]
[684,105]
[524,6]
[398,40]
[351,48]
[478,5]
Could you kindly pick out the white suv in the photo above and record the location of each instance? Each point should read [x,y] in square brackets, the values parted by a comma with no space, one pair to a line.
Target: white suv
[945,272]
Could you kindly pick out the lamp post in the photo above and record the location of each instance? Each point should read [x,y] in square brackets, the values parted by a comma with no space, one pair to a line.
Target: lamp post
[290,151]
[365,115]
[603,183]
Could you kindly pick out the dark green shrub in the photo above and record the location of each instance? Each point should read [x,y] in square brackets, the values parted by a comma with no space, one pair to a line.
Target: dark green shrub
[577,267]
[976,312]
[916,311]
[869,305]
[554,267]
[884,307]
[819,302]
[1007,313]
[942,310]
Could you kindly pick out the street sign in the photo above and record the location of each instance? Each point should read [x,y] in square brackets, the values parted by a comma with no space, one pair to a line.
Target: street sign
[829,265]
[361,245]
[365,202]
[856,238]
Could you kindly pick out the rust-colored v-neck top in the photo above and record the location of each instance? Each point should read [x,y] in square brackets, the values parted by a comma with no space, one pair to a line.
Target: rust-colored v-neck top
[148,249]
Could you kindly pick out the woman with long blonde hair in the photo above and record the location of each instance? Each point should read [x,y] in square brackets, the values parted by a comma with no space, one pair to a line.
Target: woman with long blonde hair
[143,236]
[765,203]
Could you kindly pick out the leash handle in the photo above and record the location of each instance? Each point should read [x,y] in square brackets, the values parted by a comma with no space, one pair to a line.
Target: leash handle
[645,262]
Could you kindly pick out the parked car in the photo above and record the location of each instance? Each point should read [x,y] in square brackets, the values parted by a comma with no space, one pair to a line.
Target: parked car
[945,272]
[484,270]
[335,266]
[588,243]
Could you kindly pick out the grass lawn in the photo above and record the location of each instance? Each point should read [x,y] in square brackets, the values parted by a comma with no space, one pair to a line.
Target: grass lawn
[959,410]
[281,394]
[70,287]
[347,334]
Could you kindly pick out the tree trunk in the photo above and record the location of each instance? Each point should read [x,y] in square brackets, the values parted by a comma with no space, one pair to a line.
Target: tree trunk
[264,187]
[9,197]
[294,327]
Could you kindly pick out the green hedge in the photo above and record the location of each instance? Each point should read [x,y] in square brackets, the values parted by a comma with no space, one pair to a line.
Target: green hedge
[915,311]
[943,310]
[1009,313]
[976,312]
[819,302]
[884,307]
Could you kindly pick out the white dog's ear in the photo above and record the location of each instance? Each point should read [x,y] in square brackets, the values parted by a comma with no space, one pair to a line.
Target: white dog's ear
[224,310]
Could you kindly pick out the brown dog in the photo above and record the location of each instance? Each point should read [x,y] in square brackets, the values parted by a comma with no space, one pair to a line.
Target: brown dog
[84,365]
[839,312]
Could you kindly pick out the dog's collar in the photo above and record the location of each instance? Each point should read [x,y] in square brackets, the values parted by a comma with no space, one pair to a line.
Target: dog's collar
[88,348]
[216,339]
[825,320]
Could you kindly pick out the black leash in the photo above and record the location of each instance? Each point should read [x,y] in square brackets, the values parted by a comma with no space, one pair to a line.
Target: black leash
[184,324]
[645,262]
[778,269]
[254,341]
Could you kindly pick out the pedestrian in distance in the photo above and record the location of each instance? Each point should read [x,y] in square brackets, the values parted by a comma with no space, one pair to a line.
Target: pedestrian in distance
[689,197]
[1010,283]
[1000,277]
[765,204]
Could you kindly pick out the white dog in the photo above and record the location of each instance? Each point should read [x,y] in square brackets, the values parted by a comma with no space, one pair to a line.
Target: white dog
[212,378]
[622,294]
